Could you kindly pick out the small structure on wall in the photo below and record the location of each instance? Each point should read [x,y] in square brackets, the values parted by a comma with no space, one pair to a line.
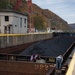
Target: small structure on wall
[13,22]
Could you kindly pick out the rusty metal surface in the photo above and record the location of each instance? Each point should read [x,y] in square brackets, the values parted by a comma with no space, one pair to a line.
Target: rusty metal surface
[24,68]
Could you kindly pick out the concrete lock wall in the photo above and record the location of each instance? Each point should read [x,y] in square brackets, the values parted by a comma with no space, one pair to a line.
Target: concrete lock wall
[12,40]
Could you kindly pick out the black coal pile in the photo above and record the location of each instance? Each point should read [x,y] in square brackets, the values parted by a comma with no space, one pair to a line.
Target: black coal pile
[52,48]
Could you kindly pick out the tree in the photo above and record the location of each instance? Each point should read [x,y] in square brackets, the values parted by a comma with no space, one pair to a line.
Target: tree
[39,22]
[3,4]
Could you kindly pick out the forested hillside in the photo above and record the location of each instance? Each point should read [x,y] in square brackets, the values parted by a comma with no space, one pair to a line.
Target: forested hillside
[43,18]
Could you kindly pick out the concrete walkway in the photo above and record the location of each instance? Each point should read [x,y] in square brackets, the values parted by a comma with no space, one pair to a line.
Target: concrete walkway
[71,69]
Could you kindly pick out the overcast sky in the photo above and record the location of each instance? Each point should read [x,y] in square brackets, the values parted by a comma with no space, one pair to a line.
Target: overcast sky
[63,8]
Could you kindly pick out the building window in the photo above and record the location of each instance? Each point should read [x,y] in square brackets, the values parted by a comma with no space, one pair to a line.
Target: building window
[5,29]
[25,26]
[6,18]
[15,25]
[20,22]
[24,20]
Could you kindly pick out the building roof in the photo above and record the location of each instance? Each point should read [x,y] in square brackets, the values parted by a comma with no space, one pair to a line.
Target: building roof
[13,11]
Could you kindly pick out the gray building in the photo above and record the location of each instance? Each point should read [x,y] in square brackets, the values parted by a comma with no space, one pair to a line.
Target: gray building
[13,22]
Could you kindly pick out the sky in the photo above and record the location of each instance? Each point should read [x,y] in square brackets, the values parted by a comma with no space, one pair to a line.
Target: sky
[63,8]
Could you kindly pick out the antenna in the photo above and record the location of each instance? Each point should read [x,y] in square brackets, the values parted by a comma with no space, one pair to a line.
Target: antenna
[30,15]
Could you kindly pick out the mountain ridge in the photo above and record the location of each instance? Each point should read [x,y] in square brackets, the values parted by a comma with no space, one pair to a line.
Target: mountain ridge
[43,18]
[51,18]
[72,25]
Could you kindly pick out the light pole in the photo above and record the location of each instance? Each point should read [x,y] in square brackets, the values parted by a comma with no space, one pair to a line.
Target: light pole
[50,25]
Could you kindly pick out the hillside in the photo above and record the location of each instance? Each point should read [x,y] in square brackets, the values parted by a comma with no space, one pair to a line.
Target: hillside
[52,20]
[43,18]
[72,25]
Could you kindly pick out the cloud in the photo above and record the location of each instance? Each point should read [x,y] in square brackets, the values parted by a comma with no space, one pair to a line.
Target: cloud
[69,18]
[39,2]
[54,1]
[63,8]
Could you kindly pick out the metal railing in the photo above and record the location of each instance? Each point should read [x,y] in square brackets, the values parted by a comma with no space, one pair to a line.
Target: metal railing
[67,53]
[8,57]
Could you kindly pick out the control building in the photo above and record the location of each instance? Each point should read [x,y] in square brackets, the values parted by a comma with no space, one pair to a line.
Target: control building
[13,22]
